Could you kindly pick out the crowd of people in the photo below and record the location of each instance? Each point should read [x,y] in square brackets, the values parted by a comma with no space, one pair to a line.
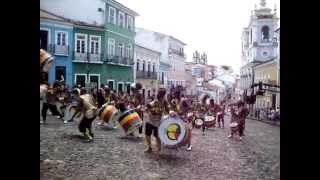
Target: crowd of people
[151,110]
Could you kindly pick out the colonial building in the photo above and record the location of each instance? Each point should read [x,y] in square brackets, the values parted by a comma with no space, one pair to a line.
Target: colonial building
[258,44]
[267,73]
[172,55]
[56,37]
[103,41]
[146,67]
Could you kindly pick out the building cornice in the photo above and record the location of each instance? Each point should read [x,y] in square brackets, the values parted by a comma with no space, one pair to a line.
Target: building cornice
[122,7]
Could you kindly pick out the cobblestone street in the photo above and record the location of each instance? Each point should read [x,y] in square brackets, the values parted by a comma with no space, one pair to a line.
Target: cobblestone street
[63,155]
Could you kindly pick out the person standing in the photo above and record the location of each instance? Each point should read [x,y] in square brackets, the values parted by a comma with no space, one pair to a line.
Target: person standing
[243,112]
[49,102]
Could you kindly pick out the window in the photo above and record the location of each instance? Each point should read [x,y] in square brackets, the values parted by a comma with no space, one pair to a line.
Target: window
[137,65]
[61,38]
[121,50]
[129,22]
[121,19]
[111,84]
[149,67]
[162,78]
[80,79]
[81,43]
[143,66]
[61,73]
[94,79]
[120,87]
[265,33]
[128,53]
[251,36]
[111,47]
[95,44]
[153,68]
[112,15]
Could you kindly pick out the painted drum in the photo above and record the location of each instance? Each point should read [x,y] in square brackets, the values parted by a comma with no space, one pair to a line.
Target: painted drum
[209,121]
[69,112]
[174,133]
[130,121]
[234,126]
[46,60]
[107,112]
[198,122]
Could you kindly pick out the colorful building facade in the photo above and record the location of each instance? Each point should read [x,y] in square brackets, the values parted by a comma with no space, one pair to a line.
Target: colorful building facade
[56,37]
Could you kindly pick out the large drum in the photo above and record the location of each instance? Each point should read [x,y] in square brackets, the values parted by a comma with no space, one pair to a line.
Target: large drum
[234,127]
[130,121]
[198,123]
[107,113]
[46,60]
[69,112]
[174,133]
[210,121]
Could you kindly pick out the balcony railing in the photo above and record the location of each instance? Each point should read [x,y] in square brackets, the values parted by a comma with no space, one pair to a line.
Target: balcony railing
[87,57]
[120,60]
[179,53]
[146,75]
[61,50]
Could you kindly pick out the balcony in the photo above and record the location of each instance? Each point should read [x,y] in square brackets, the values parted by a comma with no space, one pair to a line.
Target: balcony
[87,58]
[61,50]
[176,52]
[120,60]
[146,75]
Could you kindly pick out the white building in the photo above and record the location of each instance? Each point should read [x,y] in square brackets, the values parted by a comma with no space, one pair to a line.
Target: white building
[258,43]
[172,57]
[146,69]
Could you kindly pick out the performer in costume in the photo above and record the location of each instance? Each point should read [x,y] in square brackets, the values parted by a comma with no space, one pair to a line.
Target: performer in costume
[137,100]
[86,105]
[156,109]
[214,109]
[221,113]
[240,116]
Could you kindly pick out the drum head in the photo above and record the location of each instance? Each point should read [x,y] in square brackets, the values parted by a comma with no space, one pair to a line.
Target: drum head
[198,122]
[209,118]
[172,131]
[232,125]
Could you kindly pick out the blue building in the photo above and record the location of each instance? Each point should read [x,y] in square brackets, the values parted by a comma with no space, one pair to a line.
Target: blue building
[56,37]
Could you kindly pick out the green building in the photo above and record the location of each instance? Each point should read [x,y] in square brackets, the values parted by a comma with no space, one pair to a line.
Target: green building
[104,54]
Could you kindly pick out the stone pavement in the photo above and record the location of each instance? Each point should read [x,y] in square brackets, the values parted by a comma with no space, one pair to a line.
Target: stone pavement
[63,155]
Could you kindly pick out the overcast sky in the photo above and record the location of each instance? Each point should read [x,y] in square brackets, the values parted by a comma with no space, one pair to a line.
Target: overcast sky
[213,26]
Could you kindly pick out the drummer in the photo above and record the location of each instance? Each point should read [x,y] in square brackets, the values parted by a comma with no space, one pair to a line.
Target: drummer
[156,109]
[203,110]
[137,101]
[240,116]
[221,113]
[49,102]
[86,105]
[214,109]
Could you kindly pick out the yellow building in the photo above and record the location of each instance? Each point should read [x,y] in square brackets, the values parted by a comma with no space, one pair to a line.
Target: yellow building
[267,72]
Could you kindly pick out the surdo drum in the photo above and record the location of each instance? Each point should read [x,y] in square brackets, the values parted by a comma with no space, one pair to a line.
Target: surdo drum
[107,113]
[174,133]
[130,121]
[234,127]
[46,60]
[210,121]
[198,122]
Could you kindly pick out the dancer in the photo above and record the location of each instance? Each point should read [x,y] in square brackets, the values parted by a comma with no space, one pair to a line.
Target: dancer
[86,105]
[156,109]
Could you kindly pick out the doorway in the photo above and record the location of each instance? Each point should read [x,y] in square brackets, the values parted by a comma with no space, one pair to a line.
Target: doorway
[44,39]
[61,73]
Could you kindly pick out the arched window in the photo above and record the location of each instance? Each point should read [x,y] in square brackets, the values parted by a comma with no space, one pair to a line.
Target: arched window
[149,67]
[265,33]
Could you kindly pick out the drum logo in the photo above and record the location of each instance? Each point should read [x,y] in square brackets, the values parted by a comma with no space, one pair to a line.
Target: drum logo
[173,131]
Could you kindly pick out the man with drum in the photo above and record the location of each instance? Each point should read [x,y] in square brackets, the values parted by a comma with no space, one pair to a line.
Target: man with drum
[86,105]
[156,109]
[241,115]
[137,101]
